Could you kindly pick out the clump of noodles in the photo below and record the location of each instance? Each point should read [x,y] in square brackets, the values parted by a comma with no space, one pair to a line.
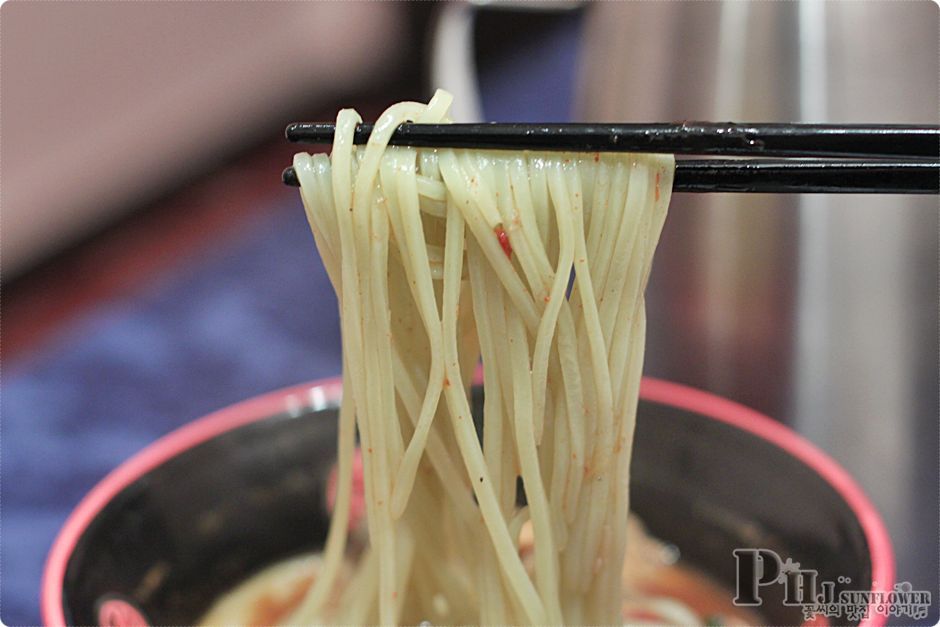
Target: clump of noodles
[535,262]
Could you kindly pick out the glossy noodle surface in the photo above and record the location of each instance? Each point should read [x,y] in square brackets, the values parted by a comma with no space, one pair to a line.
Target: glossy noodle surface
[535,265]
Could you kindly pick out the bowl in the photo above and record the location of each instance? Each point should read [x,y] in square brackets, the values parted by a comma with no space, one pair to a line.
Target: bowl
[743,499]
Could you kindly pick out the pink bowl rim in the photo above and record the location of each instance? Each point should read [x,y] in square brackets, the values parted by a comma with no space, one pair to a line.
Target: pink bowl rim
[293,398]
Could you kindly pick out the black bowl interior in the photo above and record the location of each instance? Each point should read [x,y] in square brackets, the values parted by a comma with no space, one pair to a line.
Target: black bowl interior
[190,529]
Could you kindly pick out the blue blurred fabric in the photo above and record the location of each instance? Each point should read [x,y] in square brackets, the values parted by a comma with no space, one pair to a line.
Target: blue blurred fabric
[249,314]
[254,315]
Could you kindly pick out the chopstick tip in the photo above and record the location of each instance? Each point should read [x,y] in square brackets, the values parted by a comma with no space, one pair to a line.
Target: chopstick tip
[290,132]
[289,177]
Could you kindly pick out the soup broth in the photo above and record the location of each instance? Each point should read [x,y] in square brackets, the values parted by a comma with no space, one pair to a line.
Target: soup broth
[658,588]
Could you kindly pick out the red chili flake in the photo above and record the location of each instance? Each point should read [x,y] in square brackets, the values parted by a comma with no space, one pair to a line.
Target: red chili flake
[503,241]
[597,157]
[657,186]
[446,382]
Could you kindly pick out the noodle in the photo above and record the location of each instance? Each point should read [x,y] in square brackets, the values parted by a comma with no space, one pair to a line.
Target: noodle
[535,262]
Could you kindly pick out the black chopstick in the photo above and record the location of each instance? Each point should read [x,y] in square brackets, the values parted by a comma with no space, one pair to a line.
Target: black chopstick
[787,176]
[779,176]
[689,138]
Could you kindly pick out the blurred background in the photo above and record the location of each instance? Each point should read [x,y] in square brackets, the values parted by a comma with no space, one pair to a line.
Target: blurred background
[155,269]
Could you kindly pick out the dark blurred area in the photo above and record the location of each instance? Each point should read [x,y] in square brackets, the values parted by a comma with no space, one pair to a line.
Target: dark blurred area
[155,269]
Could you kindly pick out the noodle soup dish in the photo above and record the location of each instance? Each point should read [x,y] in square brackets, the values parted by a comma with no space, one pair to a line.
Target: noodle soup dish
[197,514]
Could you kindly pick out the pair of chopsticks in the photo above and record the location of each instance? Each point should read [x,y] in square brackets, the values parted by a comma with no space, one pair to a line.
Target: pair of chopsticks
[785,158]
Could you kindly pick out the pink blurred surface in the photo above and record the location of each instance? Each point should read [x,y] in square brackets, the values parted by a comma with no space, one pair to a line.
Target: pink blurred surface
[105,103]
